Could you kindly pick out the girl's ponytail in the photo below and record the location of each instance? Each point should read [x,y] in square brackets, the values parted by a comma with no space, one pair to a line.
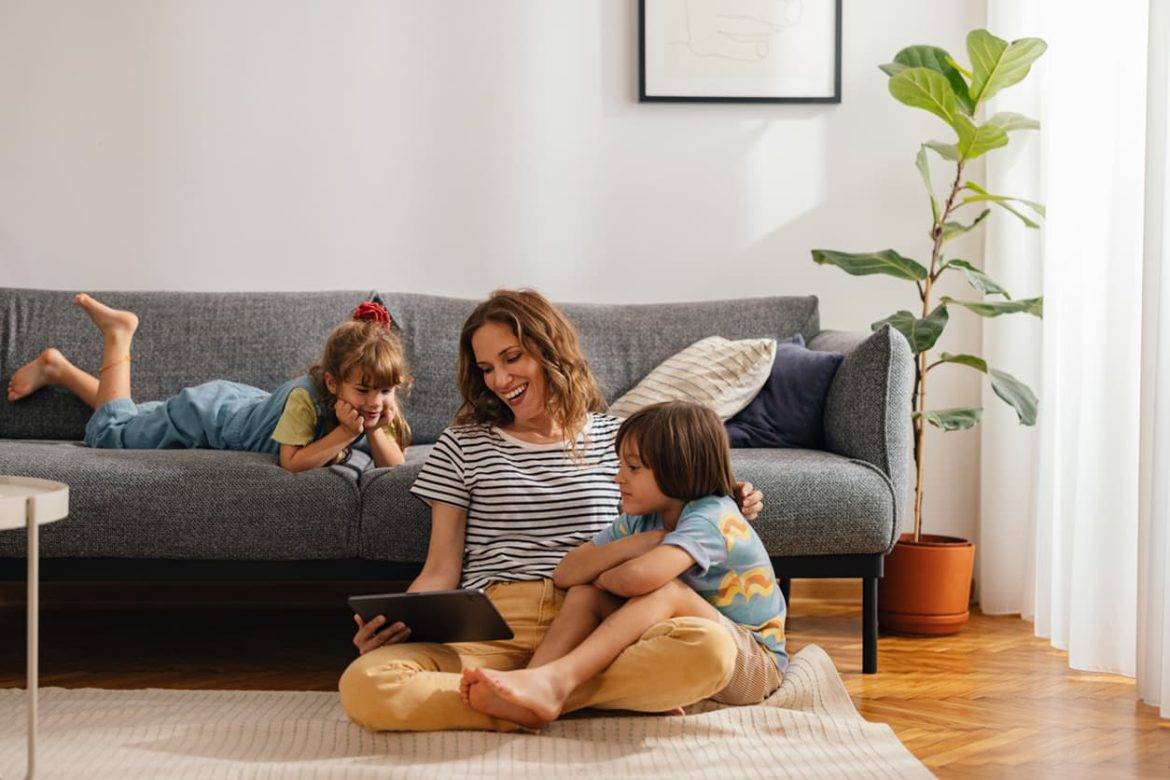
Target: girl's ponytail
[372,311]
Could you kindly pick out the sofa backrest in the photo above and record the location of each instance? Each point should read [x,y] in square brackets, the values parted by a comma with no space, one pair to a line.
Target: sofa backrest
[262,339]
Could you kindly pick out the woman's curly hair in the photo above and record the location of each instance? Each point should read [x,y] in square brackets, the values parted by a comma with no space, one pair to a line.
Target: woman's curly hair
[546,334]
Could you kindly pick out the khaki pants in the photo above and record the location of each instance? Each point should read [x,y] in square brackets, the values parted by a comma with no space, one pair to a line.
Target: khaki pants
[415,686]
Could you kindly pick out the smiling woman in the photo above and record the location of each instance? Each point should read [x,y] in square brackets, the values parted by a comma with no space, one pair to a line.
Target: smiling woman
[525,475]
[521,368]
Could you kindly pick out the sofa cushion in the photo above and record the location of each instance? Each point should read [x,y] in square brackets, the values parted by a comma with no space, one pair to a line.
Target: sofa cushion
[815,503]
[187,504]
[622,342]
[818,503]
[716,372]
[394,525]
[789,409]
[183,339]
[263,339]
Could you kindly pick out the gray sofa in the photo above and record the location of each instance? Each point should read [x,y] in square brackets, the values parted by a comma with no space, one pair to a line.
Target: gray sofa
[142,515]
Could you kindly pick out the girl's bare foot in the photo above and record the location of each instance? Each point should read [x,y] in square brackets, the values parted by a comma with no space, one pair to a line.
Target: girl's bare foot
[111,322]
[35,374]
[531,689]
[481,697]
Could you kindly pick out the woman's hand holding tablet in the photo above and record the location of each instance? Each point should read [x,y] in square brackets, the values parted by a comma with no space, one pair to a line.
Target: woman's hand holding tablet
[436,616]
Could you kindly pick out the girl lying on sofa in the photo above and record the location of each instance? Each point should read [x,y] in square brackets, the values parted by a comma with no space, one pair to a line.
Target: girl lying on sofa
[346,400]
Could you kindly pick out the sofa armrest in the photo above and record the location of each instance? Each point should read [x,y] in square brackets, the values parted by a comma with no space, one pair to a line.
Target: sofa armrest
[867,411]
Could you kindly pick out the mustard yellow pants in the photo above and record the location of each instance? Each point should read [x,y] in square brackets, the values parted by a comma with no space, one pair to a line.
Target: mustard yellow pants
[415,686]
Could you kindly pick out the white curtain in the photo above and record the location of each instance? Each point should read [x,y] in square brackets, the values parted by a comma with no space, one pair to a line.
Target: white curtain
[1012,256]
[1153,613]
[1087,555]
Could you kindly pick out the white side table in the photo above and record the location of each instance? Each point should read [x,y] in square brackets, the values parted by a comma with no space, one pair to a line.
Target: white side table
[28,503]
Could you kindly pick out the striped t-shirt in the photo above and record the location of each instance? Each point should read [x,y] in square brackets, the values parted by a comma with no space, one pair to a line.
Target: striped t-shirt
[527,504]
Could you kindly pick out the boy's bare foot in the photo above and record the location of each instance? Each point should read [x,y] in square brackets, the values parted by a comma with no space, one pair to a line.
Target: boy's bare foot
[32,376]
[532,689]
[481,697]
[111,322]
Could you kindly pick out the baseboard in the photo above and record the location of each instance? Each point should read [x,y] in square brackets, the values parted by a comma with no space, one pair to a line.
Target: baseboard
[844,590]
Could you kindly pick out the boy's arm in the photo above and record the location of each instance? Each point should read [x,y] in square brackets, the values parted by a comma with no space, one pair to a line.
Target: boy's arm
[583,564]
[646,572]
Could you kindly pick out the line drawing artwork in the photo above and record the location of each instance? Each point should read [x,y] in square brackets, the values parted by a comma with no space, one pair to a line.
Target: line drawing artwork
[734,30]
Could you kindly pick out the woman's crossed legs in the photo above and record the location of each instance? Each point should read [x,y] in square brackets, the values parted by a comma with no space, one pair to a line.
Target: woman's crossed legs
[416,686]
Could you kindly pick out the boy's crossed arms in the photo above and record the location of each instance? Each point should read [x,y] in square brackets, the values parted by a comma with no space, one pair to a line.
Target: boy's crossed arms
[616,592]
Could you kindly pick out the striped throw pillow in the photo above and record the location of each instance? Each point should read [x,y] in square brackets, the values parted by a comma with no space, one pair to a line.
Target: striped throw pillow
[724,375]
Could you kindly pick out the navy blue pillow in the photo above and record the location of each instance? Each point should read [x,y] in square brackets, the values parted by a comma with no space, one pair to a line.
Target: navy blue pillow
[787,411]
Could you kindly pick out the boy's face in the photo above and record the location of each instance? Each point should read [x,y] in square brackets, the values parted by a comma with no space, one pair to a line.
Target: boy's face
[640,492]
[369,401]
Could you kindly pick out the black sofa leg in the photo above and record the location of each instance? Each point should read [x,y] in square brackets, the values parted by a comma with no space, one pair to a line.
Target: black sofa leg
[785,590]
[869,623]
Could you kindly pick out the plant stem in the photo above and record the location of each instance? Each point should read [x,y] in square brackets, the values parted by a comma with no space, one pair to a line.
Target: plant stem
[920,401]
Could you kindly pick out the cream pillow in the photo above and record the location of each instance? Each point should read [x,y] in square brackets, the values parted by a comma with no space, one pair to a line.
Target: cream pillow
[724,375]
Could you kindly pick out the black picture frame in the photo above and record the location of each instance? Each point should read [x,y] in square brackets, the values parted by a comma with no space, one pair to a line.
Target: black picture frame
[644,98]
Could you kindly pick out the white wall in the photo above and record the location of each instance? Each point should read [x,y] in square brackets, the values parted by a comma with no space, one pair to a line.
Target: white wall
[452,147]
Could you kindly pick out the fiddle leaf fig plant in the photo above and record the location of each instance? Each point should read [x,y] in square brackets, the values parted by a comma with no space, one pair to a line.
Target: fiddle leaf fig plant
[929,78]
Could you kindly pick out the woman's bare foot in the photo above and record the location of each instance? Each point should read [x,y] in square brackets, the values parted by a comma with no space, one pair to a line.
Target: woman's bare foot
[481,697]
[111,322]
[35,374]
[536,690]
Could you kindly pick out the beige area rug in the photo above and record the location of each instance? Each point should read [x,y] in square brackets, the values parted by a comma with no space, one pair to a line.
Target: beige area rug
[808,728]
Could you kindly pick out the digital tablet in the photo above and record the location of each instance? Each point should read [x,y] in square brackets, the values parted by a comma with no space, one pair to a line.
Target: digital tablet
[437,616]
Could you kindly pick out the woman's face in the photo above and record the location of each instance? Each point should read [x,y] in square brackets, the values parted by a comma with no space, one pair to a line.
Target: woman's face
[510,371]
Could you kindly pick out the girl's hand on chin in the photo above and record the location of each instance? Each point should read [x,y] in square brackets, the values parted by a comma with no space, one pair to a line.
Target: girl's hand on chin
[348,417]
[389,412]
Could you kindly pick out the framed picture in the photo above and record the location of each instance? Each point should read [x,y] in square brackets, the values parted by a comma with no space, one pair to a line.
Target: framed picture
[739,51]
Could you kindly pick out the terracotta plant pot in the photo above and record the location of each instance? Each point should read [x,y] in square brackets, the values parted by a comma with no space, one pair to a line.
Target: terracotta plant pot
[927,586]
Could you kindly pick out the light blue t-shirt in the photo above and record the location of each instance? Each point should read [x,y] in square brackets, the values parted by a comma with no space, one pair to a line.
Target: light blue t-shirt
[732,570]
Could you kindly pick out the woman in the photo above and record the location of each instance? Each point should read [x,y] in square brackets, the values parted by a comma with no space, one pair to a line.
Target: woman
[525,475]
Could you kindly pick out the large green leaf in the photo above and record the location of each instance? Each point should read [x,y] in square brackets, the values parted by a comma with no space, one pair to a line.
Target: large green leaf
[1004,202]
[923,332]
[926,89]
[952,419]
[953,229]
[886,262]
[979,280]
[1017,394]
[924,169]
[945,151]
[938,60]
[996,64]
[1033,306]
[1009,121]
[977,140]
[974,361]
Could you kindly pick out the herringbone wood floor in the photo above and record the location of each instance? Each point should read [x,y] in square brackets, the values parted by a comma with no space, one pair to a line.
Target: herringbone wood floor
[993,701]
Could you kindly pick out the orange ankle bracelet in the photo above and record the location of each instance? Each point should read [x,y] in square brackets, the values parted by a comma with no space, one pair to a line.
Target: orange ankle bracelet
[117,362]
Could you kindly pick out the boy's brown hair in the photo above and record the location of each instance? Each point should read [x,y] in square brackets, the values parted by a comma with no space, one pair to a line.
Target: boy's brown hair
[684,445]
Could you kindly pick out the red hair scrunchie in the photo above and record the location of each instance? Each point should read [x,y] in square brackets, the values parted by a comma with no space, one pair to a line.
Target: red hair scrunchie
[374,312]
